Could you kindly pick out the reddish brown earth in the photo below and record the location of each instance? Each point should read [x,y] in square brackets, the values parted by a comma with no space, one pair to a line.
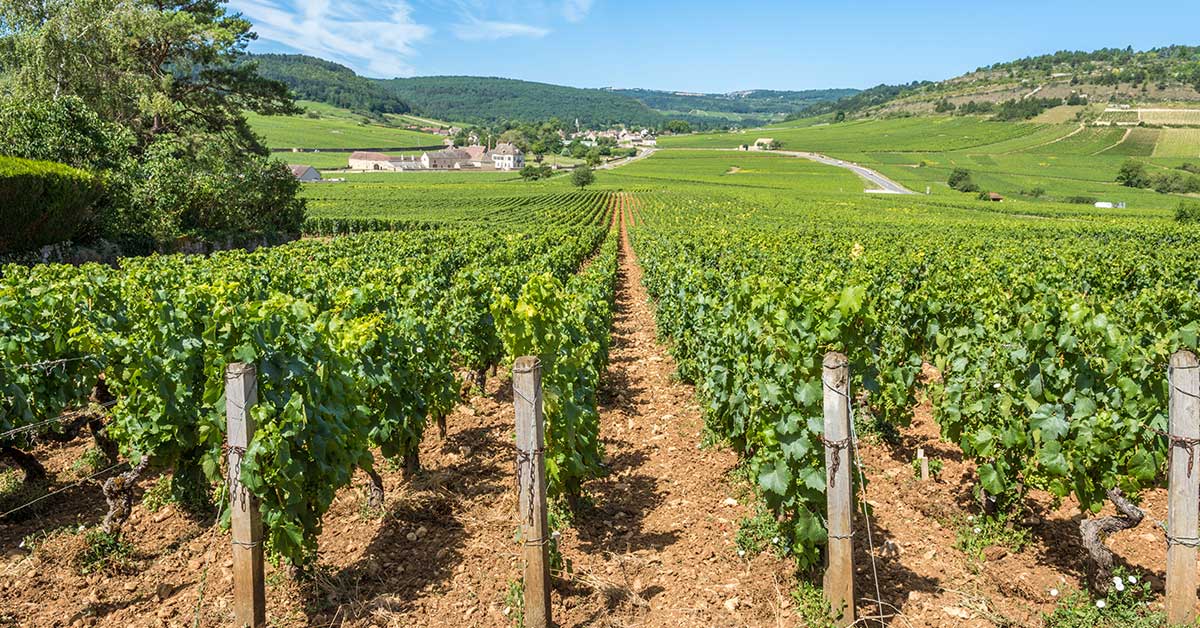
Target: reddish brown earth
[654,548]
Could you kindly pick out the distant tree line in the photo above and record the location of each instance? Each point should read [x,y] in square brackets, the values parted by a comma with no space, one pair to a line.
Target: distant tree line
[1111,66]
[865,99]
[1133,174]
[319,80]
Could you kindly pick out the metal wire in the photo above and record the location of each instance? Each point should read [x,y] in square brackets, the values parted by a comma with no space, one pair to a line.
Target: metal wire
[60,419]
[67,487]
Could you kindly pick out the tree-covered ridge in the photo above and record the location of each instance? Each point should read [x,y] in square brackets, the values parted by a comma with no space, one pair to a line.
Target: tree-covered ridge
[878,95]
[1112,65]
[319,80]
[759,101]
[488,100]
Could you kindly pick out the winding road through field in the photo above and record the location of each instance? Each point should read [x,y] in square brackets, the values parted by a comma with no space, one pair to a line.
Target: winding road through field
[885,185]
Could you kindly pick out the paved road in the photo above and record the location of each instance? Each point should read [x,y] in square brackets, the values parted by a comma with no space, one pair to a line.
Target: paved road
[628,160]
[884,184]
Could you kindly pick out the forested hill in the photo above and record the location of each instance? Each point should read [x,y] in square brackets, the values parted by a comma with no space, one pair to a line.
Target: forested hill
[485,100]
[324,81]
[1107,76]
[757,102]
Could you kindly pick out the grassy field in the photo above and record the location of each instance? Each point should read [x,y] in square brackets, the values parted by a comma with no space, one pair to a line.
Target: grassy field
[336,128]
[1181,117]
[324,160]
[1036,162]
[1139,143]
[1178,143]
[905,134]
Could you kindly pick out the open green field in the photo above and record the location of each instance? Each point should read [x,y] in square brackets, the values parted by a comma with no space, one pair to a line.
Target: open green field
[905,134]
[1034,162]
[737,169]
[1178,143]
[336,128]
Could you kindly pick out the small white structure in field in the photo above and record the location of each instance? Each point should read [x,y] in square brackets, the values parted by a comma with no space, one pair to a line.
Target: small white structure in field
[363,160]
[1105,205]
[507,157]
[304,173]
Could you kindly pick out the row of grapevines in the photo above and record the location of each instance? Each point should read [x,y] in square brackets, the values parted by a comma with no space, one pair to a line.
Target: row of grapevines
[1052,336]
[356,341]
[567,326]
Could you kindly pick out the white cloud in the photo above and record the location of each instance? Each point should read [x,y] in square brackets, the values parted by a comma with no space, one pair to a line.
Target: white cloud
[374,38]
[576,10]
[489,30]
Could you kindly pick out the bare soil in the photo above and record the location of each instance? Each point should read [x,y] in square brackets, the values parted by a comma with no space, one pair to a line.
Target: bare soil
[655,546]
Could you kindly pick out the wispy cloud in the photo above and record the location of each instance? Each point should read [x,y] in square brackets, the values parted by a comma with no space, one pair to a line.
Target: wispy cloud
[473,29]
[576,10]
[375,38]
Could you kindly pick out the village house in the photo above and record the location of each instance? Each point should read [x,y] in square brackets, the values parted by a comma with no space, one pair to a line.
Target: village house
[304,173]
[478,154]
[363,160]
[507,157]
[448,159]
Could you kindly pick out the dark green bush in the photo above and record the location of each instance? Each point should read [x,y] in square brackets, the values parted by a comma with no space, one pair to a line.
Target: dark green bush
[960,179]
[43,202]
[1188,212]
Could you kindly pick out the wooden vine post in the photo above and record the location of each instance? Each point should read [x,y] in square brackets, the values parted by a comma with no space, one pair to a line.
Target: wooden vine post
[249,593]
[1183,489]
[839,488]
[531,480]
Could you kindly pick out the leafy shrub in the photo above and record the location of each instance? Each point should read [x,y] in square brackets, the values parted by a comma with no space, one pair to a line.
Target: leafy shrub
[1080,200]
[960,179]
[583,177]
[43,202]
[1125,606]
[1188,212]
[1133,175]
[103,552]
[976,534]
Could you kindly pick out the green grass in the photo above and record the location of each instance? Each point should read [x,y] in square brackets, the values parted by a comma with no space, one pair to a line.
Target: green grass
[336,128]
[760,170]
[904,134]
[1178,143]
[1139,143]
[325,160]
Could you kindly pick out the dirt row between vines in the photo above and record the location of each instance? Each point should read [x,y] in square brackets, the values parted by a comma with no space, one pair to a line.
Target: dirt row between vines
[656,546]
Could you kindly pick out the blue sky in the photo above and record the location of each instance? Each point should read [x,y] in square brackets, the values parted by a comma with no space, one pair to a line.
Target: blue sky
[704,45]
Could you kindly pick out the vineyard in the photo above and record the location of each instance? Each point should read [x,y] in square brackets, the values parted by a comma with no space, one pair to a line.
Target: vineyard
[682,313]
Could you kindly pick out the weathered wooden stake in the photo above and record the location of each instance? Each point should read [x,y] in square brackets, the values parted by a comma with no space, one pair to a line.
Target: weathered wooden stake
[839,488]
[924,465]
[249,594]
[1183,489]
[531,478]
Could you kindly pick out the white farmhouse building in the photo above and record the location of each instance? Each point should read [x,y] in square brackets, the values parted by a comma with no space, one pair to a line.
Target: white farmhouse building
[507,157]
[304,173]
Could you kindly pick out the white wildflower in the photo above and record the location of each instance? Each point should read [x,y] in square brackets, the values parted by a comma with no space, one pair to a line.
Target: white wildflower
[1118,584]
[741,552]
[420,349]
[978,530]
[1100,604]
[970,517]
[1132,579]
[996,385]
[775,540]
[556,535]
[1053,592]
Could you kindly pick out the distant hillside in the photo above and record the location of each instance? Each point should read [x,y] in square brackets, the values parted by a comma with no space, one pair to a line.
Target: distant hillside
[1106,76]
[759,103]
[323,81]
[486,100]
